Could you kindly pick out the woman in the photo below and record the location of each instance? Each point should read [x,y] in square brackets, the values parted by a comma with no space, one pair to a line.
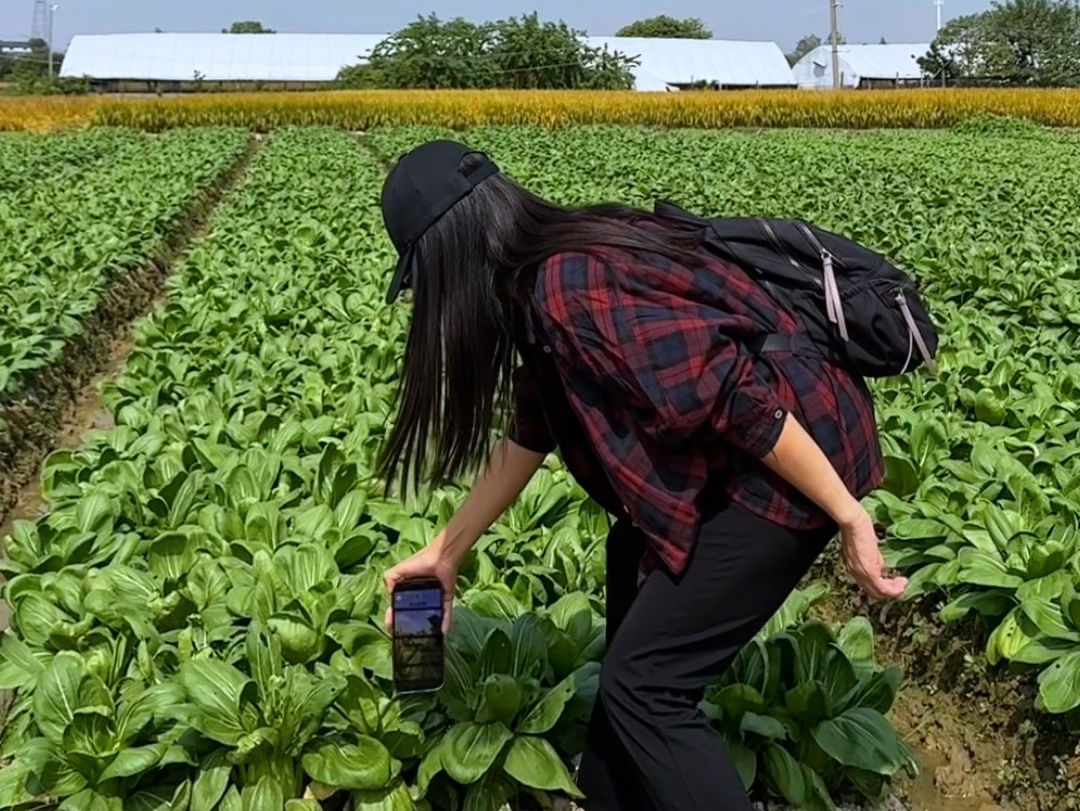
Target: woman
[729,473]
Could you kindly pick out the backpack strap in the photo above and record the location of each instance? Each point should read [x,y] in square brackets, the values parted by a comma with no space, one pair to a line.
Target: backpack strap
[798,344]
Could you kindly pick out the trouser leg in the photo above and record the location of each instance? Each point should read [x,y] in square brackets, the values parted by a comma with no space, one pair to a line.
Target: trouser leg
[607,774]
[677,638]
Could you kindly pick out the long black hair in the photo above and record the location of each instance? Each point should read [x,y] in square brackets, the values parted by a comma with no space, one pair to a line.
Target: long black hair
[471,269]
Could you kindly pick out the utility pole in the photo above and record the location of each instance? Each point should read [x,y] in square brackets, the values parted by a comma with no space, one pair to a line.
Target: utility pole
[52,11]
[834,38]
[938,4]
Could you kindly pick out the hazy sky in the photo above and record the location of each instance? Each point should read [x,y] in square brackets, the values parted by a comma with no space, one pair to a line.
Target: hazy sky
[781,21]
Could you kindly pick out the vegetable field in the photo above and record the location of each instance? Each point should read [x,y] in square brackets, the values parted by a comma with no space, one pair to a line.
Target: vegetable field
[197,622]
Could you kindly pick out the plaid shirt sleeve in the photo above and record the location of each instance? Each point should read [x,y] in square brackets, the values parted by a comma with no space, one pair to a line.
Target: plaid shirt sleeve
[528,428]
[665,362]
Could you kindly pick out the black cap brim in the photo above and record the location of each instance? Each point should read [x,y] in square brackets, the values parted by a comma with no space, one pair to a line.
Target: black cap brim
[400,280]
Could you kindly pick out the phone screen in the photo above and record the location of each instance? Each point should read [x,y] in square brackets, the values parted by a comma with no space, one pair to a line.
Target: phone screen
[418,638]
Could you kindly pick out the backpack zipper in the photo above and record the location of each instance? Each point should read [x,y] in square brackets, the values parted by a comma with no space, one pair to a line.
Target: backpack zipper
[913,328]
[833,304]
[779,246]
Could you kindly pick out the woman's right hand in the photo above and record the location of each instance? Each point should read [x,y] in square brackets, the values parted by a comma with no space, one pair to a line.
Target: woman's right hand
[430,561]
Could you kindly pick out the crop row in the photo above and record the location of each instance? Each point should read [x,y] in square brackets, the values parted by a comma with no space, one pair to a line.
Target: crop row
[198,621]
[363,110]
[981,498]
[29,159]
[65,239]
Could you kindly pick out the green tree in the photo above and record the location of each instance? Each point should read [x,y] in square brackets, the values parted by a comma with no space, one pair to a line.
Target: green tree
[513,53]
[808,44]
[248,27]
[1022,42]
[803,47]
[665,27]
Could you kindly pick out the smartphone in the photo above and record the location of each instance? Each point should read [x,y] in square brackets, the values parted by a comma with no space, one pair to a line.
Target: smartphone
[418,636]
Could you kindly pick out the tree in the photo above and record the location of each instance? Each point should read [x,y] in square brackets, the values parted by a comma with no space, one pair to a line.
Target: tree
[1022,42]
[248,27]
[665,27]
[807,44]
[803,47]
[513,53]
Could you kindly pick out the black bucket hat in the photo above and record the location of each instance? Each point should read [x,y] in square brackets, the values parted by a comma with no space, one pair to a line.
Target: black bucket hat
[423,185]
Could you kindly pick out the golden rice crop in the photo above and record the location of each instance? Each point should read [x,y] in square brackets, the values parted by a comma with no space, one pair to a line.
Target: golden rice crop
[45,114]
[360,110]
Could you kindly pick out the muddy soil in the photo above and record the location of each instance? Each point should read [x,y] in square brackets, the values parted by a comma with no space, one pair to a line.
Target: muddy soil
[980,742]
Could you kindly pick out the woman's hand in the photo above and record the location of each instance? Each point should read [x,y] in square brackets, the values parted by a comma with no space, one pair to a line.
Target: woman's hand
[508,470]
[431,561]
[863,559]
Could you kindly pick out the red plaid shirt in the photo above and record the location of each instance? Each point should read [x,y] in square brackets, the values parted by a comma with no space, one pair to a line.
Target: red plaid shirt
[634,368]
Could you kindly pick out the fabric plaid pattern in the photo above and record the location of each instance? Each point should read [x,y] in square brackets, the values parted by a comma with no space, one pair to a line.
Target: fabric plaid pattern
[636,369]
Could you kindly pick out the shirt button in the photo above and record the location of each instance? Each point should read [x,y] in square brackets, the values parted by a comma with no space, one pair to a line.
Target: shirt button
[779,414]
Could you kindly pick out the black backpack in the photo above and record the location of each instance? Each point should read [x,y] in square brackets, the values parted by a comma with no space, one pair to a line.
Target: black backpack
[856,309]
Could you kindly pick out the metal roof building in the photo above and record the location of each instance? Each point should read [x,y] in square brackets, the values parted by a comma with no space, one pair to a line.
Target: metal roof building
[862,66]
[216,57]
[667,63]
[317,58]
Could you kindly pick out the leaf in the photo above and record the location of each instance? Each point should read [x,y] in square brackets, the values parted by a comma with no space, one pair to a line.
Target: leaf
[547,712]
[1059,684]
[217,691]
[764,725]
[469,750]
[266,795]
[135,762]
[529,646]
[785,773]
[394,798]
[500,699]
[210,785]
[534,762]
[365,765]
[856,639]
[862,738]
[57,695]
[493,793]
[745,761]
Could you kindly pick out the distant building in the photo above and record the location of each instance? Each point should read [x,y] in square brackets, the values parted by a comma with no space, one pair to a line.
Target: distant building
[175,62]
[9,48]
[862,66]
[679,64]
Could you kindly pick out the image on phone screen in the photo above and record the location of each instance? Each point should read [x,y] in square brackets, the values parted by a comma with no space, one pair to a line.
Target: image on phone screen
[418,639]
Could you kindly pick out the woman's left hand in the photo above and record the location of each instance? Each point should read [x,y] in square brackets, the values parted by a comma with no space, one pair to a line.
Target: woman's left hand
[862,556]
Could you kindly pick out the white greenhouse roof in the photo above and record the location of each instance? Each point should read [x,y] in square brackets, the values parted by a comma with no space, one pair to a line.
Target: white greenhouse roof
[216,57]
[857,62]
[684,61]
[319,57]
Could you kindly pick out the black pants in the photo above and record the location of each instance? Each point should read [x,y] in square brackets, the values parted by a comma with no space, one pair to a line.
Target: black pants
[649,746]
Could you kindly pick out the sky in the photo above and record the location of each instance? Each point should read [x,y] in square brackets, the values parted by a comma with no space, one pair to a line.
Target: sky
[780,21]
